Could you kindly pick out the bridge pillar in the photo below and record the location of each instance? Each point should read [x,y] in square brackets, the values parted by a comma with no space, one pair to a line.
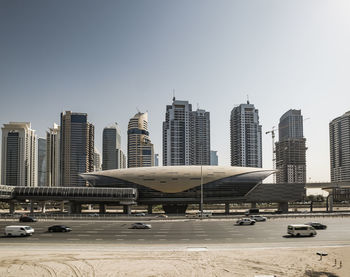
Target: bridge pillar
[150,209]
[43,207]
[330,201]
[200,206]
[31,207]
[283,206]
[12,207]
[102,208]
[71,207]
[253,205]
[77,208]
[127,209]
[62,207]
[227,208]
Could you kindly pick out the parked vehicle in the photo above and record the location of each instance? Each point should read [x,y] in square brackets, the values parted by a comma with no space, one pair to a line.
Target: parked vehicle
[140,225]
[18,231]
[258,218]
[59,228]
[317,225]
[245,221]
[301,230]
[27,219]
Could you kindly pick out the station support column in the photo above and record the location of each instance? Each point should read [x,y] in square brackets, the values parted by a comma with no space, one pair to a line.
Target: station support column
[127,209]
[12,207]
[227,208]
[31,207]
[149,209]
[102,208]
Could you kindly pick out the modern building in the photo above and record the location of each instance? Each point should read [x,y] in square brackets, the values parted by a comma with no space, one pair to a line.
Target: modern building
[339,137]
[175,187]
[97,160]
[113,156]
[42,156]
[291,149]
[246,140]
[140,148]
[156,159]
[214,160]
[76,148]
[186,135]
[19,155]
[53,156]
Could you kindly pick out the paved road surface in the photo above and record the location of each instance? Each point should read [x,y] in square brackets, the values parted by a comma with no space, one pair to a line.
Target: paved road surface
[187,232]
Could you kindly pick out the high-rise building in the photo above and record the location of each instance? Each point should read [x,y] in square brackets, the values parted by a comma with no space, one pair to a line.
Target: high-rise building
[140,148]
[186,135]
[113,157]
[42,155]
[214,160]
[291,149]
[97,160]
[246,140]
[53,156]
[76,148]
[339,137]
[156,159]
[19,155]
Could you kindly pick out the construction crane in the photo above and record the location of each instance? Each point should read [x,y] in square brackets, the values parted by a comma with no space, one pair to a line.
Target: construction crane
[273,132]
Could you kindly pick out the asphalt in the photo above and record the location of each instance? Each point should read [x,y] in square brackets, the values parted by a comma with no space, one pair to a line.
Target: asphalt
[272,233]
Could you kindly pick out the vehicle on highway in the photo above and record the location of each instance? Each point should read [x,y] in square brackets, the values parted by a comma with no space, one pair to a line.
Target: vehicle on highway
[317,225]
[252,211]
[140,214]
[140,225]
[59,228]
[18,231]
[245,221]
[301,230]
[162,216]
[258,218]
[27,218]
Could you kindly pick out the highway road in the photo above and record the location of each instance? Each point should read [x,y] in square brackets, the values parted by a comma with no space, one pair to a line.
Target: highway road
[184,232]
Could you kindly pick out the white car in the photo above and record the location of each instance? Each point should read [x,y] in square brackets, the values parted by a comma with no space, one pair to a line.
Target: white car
[245,221]
[258,218]
[140,225]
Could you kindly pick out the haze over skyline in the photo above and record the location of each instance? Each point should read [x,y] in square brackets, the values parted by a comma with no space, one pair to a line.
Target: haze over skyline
[110,58]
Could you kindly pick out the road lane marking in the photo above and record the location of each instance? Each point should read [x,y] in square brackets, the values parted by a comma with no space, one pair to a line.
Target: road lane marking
[98,239]
[73,239]
[83,235]
[120,235]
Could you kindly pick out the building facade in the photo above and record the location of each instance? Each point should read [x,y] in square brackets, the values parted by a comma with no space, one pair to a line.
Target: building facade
[113,156]
[140,148]
[42,156]
[19,155]
[76,148]
[186,135]
[246,140]
[214,160]
[291,149]
[97,160]
[53,156]
[339,137]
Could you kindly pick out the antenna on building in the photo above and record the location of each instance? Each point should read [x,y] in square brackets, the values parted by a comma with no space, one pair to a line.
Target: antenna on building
[138,110]
[173,94]
[247,98]
[197,106]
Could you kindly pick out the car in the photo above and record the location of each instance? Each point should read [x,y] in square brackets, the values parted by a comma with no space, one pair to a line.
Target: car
[140,225]
[301,230]
[27,219]
[162,216]
[317,225]
[140,214]
[59,228]
[245,221]
[258,218]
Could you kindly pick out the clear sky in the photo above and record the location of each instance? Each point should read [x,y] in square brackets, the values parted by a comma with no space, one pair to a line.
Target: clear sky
[110,58]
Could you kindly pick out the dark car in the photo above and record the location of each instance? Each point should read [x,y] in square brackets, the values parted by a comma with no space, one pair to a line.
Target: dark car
[27,219]
[317,225]
[59,228]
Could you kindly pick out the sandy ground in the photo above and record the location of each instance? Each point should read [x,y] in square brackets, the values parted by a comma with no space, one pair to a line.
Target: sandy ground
[233,262]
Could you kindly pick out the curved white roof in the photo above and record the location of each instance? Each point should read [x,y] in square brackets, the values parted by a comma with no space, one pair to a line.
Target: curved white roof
[172,179]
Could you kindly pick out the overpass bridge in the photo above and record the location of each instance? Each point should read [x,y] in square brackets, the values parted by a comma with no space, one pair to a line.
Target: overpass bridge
[74,195]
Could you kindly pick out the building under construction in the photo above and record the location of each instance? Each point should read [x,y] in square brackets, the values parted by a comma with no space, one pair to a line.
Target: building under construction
[291,149]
